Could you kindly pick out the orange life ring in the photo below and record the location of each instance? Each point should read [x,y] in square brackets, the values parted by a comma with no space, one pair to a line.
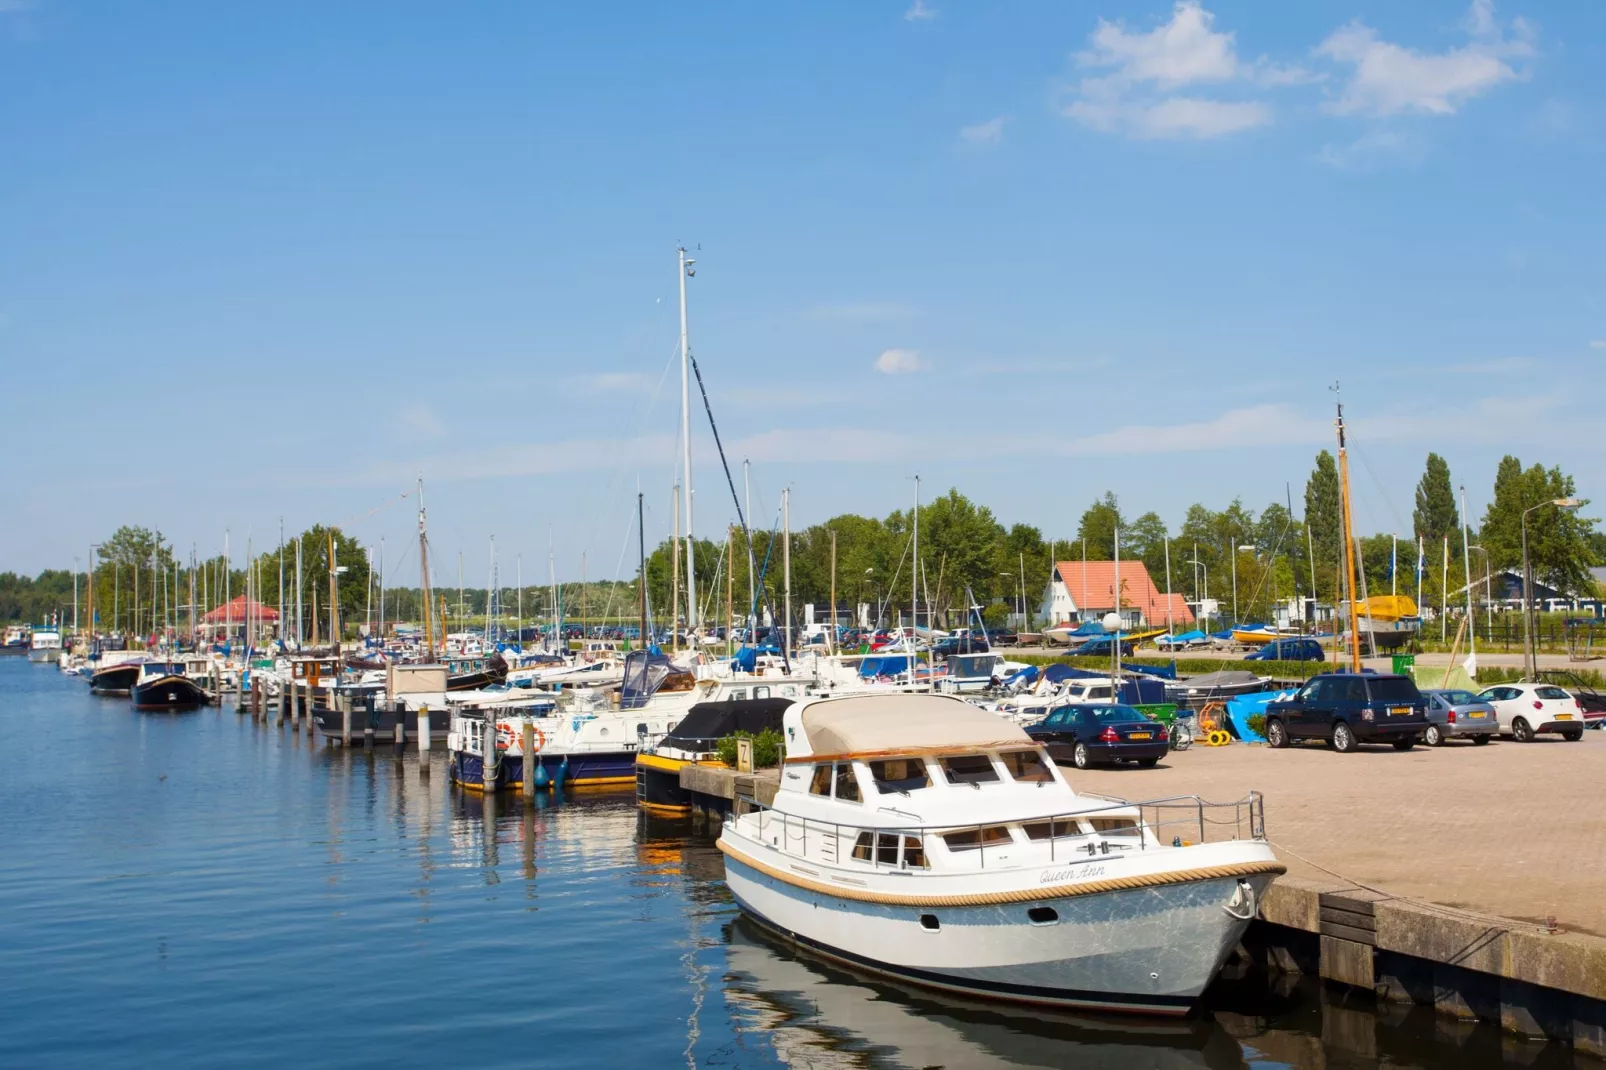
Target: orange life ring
[538,742]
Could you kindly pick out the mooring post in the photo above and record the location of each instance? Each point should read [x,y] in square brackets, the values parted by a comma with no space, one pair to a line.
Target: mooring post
[527,748]
[425,753]
[489,760]
[367,720]
[345,721]
[401,724]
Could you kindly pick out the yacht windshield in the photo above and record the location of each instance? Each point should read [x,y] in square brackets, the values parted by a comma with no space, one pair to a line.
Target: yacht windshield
[899,774]
[1027,765]
[968,769]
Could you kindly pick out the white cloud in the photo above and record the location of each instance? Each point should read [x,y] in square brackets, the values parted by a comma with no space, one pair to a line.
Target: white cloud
[1372,147]
[919,12]
[1597,343]
[1140,94]
[898,361]
[1279,423]
[1391,79]
[421,421]
[990,132]
[11,7]
[826,444]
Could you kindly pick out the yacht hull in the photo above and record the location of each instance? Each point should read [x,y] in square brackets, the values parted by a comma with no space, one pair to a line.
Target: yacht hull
[595,769]
[168,693]
[116,680]
[1149,950]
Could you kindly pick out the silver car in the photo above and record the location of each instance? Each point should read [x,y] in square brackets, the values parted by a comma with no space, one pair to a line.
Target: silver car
[1456,714]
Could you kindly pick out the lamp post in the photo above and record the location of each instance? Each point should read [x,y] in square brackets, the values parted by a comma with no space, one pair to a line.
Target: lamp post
[1488,612]
[1196,563]
[1528,656]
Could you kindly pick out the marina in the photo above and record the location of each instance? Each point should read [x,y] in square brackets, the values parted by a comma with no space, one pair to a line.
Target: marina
[361,855]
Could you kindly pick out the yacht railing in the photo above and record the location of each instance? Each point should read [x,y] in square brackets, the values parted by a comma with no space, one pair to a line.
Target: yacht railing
[1176,821]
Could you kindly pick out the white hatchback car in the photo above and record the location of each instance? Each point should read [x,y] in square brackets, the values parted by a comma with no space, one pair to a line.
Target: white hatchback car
[1527,709]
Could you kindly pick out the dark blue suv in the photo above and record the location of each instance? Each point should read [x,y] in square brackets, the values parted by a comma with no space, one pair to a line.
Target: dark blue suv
[1347,709]
[1289,650]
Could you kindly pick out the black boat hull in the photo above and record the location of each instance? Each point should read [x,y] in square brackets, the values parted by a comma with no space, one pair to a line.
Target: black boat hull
[168,693]
[116,680]
[330,723]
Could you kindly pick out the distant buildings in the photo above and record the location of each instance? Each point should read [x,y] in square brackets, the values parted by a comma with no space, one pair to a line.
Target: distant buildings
[1080,591]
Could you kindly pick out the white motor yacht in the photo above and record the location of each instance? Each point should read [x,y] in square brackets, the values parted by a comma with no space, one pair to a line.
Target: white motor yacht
[921,837]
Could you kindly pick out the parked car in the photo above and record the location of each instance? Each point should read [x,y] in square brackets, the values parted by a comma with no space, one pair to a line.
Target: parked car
[960,644]
[1591,701]
[1347,709]
[1525,710]
[1289,650]
[1003,637]
[1102,733]
[1457,714]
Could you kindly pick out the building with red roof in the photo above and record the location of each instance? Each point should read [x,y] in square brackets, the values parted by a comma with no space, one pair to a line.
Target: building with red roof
[1085,590]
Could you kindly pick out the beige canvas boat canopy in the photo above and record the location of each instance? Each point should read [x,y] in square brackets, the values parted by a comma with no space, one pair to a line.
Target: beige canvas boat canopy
[861,725]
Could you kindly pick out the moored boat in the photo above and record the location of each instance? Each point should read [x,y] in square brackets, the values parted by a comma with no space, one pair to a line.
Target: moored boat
[922,838]
[44,646]
[695,741]
[118,679]
[162,685]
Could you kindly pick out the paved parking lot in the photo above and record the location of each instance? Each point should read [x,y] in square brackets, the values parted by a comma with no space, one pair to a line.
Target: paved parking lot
[1510,828]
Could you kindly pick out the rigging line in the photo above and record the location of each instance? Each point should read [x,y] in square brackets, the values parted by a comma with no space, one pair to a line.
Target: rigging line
[355,517]
[1387,501]
[702,389]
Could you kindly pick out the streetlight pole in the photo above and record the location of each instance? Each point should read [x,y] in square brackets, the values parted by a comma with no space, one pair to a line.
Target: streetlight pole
[1529,658]
[1196,563]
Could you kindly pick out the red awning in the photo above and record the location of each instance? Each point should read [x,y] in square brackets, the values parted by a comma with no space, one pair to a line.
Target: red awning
[237,610]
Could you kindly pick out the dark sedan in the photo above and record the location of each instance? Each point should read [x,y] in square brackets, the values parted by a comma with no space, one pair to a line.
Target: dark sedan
[1101,734]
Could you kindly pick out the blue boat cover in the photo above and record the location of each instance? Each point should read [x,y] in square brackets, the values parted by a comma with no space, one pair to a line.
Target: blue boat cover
[1168,672]
[1224,634]
[884,665]
[1022,676]
[645,672]
[1195,636]
[1057,673]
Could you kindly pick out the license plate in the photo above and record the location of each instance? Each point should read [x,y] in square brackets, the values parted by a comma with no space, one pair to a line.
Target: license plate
[1476,716]
[1141,735]
[1400,711]
[1564,716]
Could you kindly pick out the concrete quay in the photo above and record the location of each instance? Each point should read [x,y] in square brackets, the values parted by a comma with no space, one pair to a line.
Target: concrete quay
[1430,877]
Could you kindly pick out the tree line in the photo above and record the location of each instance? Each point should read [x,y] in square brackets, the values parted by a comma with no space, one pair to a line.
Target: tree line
[1247,561]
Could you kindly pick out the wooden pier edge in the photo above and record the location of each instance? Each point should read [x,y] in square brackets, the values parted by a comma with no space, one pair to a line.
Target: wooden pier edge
[1474,967]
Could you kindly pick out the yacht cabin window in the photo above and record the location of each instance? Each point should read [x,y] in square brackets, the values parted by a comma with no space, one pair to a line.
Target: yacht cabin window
[881,848]
[1039,830]
[737,694]
[847,785]
[1027,765]
[968,769]
[761,692]
[971,839]
[821,784]
[899,774]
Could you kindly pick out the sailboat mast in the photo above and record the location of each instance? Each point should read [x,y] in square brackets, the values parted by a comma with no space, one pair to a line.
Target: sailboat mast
[685,441]
[1349,548]
[423,576]
[674,577]
[641,541]
[334,594]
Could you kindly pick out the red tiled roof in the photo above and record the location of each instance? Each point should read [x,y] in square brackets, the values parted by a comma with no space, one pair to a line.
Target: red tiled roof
[236,610]
[1091,586]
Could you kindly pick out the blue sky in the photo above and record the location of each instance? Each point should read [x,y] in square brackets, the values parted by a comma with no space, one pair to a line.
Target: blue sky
[271,260]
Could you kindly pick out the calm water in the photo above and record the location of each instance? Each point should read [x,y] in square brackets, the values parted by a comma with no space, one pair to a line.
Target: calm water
[196,890]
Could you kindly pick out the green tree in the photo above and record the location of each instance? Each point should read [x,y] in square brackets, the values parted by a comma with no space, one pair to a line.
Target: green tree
[1324,517]
[1435,515]
[1559,546]
[1144,539]
[1097,527]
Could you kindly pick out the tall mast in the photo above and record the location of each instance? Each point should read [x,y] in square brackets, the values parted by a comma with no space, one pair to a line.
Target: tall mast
[752,595]
[490,592]
[914,578]
[1466,565]
[1349,548]
[423,576]
[641,541]
[786,561]
[281,578]
[334,594]
[674,577]
[381,588]
[301,634]
[685,441]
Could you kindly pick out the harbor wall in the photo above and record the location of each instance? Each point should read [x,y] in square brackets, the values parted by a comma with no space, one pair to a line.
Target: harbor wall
[1529,979]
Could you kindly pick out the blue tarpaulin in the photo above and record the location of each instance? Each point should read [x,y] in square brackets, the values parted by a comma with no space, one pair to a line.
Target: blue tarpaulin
[1242,707]
[886,665]
[1168,672]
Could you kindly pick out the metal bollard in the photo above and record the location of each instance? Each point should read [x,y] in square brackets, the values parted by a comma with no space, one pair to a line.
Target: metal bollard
[401,726]
[490,760]
[345,721]
[527,748]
